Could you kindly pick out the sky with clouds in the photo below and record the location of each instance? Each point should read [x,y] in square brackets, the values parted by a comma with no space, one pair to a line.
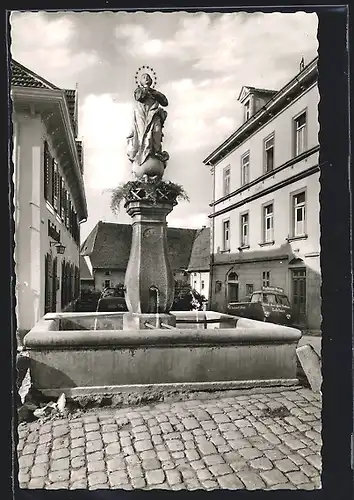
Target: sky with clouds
[201,60]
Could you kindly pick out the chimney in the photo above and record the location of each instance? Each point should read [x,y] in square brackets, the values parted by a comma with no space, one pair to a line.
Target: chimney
[302,63]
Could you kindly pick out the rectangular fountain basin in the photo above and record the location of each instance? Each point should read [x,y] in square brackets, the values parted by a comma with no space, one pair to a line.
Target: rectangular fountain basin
[207,350]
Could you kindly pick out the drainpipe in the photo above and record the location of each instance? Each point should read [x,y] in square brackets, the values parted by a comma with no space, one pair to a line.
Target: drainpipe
[211,263]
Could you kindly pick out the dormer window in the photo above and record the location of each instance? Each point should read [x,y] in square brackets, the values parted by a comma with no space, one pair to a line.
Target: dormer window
[247,110]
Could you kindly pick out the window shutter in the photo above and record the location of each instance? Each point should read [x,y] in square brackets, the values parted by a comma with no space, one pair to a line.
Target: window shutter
[46,284]
[67,207]
[52,180]
[54,285]
[60,195]
[62,291]
[62,199]
[46,165]
[56,184]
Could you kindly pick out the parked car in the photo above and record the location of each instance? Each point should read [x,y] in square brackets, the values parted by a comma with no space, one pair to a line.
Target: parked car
[112,299]
[269,304]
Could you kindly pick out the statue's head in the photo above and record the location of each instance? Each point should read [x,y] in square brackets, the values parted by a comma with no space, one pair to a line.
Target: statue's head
[146,80]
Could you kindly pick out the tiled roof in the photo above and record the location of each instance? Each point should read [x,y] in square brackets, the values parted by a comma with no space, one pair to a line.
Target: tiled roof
[200,256]
[84,270]
[262,91]
[81,155]
[109,244]
[23,77]
[71,100]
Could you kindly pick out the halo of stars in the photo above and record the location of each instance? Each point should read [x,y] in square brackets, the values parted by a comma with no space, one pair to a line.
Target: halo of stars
[146,69]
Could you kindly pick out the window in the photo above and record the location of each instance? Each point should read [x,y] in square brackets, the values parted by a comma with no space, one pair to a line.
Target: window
[226,235]
[299,214]
[107,284]
[269,154]
[247,110]
[202,285]
[266,278]
[244,230]
[227,180]
[268,223]
[283,300]
[195,284]
[269,298]
[256,297]
[249,290]
[245,169]
[107,273]
[300,134]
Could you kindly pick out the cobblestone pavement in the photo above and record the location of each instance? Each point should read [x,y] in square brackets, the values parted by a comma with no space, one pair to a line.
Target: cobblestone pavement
[264,440]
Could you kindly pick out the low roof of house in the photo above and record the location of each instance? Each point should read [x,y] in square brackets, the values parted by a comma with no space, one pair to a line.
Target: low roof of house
[85,273]
[108,246]
[200,255]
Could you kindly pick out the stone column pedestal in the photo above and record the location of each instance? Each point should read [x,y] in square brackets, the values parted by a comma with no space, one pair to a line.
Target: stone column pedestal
[149,282]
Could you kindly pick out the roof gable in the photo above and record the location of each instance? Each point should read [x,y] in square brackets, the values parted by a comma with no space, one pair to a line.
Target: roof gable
[109,245]
[200,255]
[85,273]
[243,93]
[246,90]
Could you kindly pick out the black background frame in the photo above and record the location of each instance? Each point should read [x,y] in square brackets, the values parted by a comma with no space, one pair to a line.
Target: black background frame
[334,36]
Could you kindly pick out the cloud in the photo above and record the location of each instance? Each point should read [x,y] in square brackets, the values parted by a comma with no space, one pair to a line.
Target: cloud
[104,125]
[222,53]
[227,42]
[200,113]
[43,42]
[191,220]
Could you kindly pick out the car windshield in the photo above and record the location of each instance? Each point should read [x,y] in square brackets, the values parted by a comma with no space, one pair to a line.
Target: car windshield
[256,297]
[283,300]
[269,298]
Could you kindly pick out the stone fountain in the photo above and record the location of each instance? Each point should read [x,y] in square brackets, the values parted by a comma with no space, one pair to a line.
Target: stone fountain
[149,283]
[150,347]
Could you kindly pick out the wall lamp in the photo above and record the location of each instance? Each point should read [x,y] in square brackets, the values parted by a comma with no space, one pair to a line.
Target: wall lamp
[60,248]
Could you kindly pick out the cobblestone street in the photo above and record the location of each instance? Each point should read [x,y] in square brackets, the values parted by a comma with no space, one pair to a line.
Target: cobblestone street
[261,440]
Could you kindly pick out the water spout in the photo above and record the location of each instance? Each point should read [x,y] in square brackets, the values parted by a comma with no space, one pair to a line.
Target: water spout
[155,294]
[98,304]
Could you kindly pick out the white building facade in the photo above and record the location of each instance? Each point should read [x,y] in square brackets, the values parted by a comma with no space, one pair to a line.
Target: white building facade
[265,210]
[49,196]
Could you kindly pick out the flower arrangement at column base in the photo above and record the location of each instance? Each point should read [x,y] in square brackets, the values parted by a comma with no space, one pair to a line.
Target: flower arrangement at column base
[149,189]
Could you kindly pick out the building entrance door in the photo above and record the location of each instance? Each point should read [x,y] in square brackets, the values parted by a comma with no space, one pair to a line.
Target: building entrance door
[299,296]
